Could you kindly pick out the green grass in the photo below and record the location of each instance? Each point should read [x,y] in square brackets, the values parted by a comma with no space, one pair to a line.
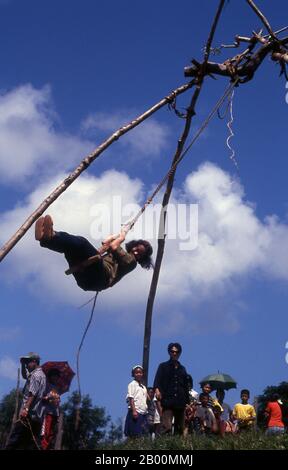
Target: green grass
[251,441]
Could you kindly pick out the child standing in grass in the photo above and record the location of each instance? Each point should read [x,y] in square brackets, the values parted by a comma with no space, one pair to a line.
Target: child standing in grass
[244,413]
[136,423]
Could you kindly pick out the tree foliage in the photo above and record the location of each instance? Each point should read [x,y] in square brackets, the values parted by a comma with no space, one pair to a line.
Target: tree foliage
[91,427]
[282,391]
[7,409]
[94,427]
[115,432]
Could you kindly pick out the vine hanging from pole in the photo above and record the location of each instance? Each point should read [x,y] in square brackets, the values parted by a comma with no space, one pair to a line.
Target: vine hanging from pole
[77,418]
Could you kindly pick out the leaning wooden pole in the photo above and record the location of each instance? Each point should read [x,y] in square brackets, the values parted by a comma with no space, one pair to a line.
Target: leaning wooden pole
[59,435]
[166,198]
[161,237]
[85,163]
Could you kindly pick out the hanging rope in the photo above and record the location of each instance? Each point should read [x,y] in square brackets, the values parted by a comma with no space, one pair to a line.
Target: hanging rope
[82,341]
[86,303]
[77,418]
[222,116]
[27,424]
[172,107]
[129,225]
[229,108]
[229,124]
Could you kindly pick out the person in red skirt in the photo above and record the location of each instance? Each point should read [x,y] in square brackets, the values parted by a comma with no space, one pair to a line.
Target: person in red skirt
[51,412]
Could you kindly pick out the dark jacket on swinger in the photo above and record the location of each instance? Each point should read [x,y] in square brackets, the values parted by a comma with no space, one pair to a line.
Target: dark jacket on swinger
[173,385]
[113,266]
[118,263]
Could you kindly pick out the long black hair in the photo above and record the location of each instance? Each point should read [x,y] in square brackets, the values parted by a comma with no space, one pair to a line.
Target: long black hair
[145,261]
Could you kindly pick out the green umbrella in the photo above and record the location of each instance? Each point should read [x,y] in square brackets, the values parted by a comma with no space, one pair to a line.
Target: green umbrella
[219,381]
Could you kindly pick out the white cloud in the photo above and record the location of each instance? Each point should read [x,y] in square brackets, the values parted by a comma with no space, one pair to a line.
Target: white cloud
[32,143]
[232,240]
[8,368]
[233,244]
[149,138]
[29,141]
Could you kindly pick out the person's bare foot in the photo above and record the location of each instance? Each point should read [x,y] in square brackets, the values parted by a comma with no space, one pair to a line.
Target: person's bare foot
[44,228]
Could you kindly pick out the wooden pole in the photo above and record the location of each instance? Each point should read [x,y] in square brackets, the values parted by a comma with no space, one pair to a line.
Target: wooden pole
[59,437]
[15,415]
[165,201]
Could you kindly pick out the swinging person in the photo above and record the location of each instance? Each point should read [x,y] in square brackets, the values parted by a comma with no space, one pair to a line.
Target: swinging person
[106,270]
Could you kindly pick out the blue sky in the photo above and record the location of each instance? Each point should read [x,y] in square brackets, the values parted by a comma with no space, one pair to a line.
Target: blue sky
[72,73]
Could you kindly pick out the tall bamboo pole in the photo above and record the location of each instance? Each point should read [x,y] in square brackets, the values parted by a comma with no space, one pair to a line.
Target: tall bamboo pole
[165,201]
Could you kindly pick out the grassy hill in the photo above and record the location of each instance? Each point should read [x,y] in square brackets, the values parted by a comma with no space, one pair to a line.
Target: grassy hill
[251,441]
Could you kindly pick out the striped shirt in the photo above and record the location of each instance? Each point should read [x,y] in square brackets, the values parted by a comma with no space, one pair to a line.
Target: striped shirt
[35,385]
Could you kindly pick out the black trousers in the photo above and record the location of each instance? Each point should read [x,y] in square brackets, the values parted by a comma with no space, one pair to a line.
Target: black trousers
[166,420]
[77,249]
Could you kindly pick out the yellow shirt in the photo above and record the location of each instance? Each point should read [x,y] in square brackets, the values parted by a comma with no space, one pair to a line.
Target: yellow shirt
[244,412]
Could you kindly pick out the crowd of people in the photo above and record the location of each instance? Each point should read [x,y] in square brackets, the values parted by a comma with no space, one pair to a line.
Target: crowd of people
[173,406]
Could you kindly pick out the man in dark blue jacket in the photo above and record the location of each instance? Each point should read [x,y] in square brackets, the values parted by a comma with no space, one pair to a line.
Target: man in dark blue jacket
[171,389]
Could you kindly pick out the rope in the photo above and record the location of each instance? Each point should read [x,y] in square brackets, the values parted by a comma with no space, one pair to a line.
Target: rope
[172,106]
[222,116]
[27,424]
[229,124]
[229,108]
[81,344]
[129,225]
[86,303]
[77,416]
